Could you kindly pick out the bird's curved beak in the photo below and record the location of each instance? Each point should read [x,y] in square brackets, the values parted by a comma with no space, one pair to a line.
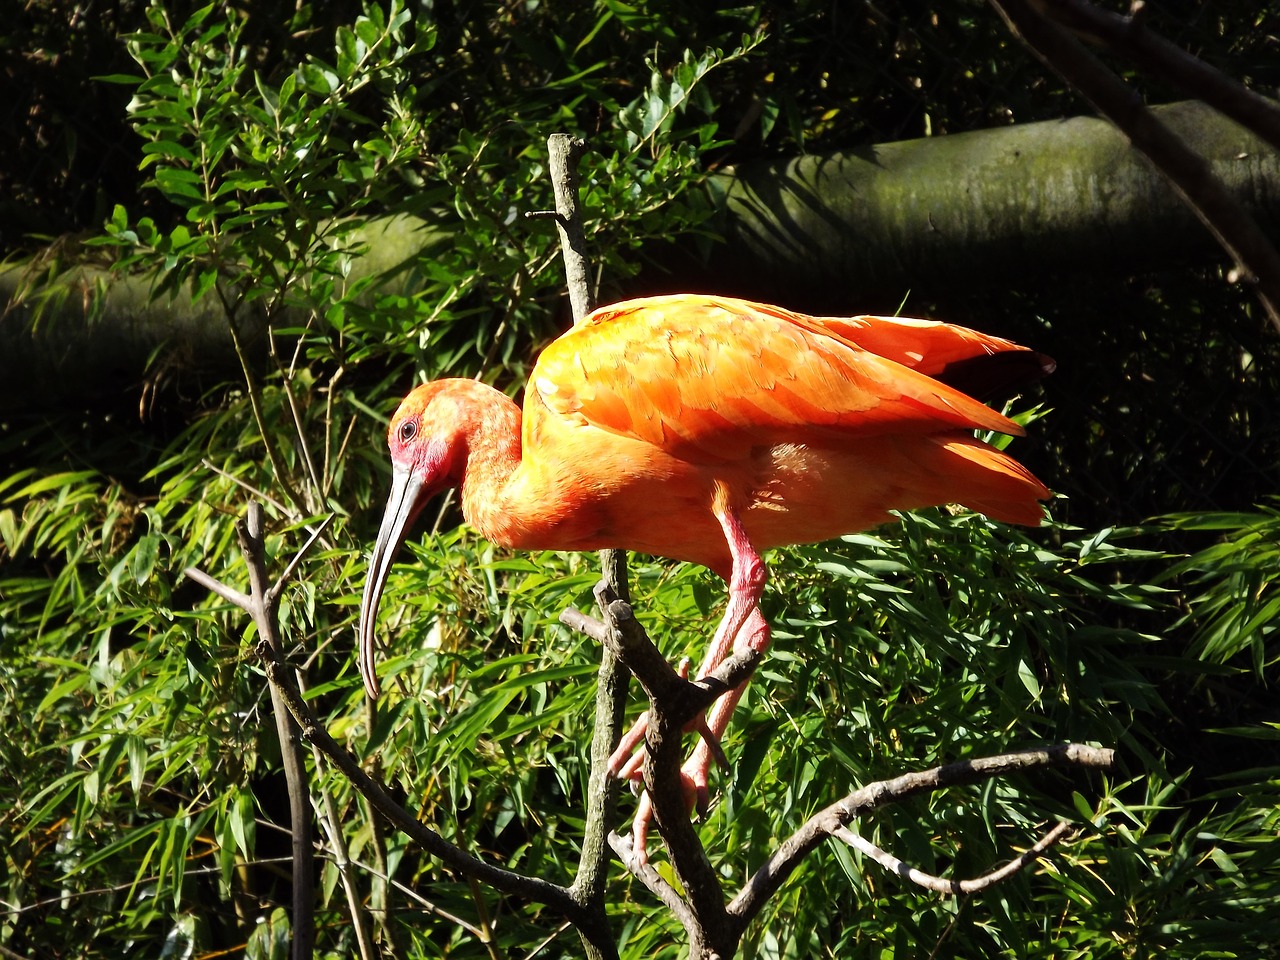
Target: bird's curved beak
[403,506]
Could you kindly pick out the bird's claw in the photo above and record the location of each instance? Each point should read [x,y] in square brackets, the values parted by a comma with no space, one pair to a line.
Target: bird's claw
[625,761]
[694,789]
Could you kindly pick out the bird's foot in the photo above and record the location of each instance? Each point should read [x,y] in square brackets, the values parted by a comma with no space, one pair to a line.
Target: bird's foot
[627,759]
[693,787]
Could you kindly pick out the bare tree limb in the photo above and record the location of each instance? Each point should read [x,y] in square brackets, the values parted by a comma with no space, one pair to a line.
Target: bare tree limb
[565,152]
[1226,218]
[651,878]
[766,881]
[506,881]
[588,889]
[1130,37]
[261,603]
[229,594]
[951,887]
[672,703]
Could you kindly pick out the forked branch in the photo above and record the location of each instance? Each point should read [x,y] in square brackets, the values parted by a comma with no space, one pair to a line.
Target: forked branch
[829,821]
[952,887]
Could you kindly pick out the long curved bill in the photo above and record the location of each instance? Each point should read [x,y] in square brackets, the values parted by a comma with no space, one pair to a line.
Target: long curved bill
[403,506]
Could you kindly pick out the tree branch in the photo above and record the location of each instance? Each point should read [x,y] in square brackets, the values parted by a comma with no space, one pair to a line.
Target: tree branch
[1130,37]
[1226,218]
[672,703]
[651,878]
[766,881]
[261,604]
[564,153]
[506,881]
[588,888]
[951,887]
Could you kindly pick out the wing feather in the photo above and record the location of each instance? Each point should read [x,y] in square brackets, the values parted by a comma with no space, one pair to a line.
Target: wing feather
[712,377]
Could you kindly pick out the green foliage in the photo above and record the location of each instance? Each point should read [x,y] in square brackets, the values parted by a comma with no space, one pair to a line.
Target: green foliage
[1237,602]
[143,808]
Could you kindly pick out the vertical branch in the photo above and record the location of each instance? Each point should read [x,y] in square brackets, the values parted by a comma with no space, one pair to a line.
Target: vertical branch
[565,152]
[262,603]
[611,691]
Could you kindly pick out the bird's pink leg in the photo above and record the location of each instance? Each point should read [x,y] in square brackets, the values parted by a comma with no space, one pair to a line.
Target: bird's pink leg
[746,584]
[742,628]
[754,635]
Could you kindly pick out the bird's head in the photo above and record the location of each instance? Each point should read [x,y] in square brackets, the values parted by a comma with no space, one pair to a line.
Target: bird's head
[428,454]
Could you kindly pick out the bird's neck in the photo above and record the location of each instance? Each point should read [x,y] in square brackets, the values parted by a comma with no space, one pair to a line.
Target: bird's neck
[493,459]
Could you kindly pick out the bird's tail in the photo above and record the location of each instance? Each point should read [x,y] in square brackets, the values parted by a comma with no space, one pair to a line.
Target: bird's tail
[982,478]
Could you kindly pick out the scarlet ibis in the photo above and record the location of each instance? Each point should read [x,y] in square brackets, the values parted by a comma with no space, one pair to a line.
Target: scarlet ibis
[707,429]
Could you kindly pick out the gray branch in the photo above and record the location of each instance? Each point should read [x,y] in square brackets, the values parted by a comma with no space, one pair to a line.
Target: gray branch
[766,881]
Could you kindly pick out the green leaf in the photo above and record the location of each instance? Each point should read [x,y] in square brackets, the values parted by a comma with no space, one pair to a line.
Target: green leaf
[243,824]
[145,555]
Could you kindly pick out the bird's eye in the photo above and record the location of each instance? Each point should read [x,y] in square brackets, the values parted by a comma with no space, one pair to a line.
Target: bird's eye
[408,430]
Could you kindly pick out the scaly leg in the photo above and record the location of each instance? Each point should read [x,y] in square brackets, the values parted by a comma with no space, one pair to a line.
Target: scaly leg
[755,635]
[746,584]
[743,627]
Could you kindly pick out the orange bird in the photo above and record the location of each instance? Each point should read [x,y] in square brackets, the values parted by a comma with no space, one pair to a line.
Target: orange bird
[707,429]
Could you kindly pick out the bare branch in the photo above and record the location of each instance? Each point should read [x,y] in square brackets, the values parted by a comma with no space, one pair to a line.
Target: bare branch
[253,491]
[565,152]
[611,692]
[274,592]
[229,594]
[1226,218]
[645,872]
[950,887]
[765,882]
[672,703]
[575,619]
[506,881]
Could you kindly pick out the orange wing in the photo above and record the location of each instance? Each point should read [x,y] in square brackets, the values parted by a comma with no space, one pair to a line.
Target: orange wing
[710,377]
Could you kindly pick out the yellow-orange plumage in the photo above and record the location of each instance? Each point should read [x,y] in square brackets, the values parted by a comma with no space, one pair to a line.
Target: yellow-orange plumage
[706,429]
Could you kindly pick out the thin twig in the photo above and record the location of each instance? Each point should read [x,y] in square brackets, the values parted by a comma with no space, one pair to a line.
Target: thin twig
[549,939]
[950,887]
[428,905]
[274,592]
[253,491]
[326,464]
[286,385]
[255,404]
[229,594]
